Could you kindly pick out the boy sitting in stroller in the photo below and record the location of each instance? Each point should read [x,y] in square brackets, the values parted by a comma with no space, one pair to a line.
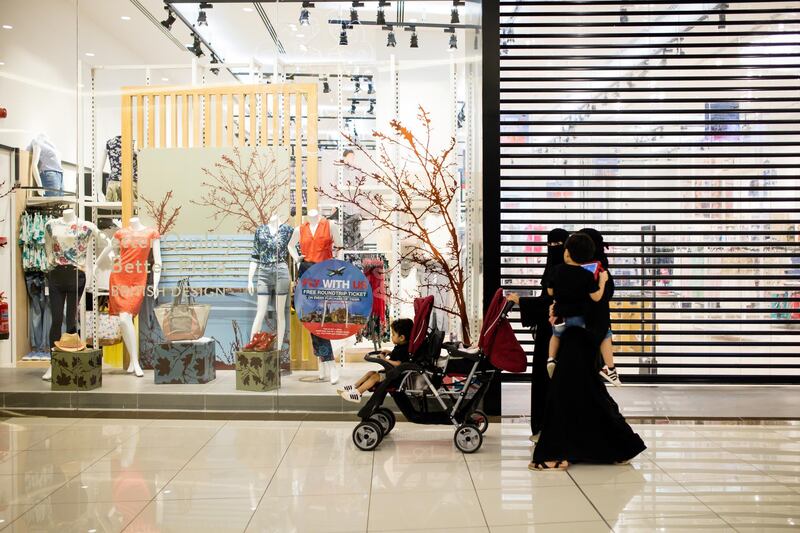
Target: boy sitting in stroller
[401,333]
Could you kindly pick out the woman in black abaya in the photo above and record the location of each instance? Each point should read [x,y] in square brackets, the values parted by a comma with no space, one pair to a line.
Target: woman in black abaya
[535,313]
[582,423]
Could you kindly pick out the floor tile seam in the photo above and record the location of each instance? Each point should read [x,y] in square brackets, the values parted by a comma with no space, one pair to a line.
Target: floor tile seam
[153,499]
[475,491]
[596,510]
[369,497]
[272,478]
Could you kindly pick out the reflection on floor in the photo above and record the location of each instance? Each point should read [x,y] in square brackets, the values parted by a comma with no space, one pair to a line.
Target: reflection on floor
[217,476]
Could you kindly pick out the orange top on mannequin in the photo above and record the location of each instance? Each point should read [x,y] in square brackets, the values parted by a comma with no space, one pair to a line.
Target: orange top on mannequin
[316,246]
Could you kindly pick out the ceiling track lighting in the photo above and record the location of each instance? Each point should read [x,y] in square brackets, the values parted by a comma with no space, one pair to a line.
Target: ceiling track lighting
[343,36]
[202,16]
[353,107]
[358,85]
[454,18]
[214,61]
[414,39]
[305,14]
[391,39]
[371,110]
[623,15]
[326,88]
[170,20]
[196,48]
[453,44]
[354,12]
[380,17]
[722,17]
[370,88]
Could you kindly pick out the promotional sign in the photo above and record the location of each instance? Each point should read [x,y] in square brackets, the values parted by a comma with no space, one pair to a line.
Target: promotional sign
[333,299]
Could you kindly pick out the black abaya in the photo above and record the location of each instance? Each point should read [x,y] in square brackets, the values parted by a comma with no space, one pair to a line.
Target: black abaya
[582,423]
[534,313]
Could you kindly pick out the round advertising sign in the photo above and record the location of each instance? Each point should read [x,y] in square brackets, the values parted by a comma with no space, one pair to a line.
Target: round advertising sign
[333,299]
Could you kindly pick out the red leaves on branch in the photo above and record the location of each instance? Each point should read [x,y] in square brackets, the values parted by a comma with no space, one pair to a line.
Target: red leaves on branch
[419,181]
[164,216]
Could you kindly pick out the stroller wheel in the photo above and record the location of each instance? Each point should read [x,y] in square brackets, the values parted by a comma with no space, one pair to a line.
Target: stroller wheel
[385,418]
[479,419]
[367,435]
[468,438]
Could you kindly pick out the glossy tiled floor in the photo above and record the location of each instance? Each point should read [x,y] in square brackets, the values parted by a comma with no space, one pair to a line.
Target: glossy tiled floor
[96,475]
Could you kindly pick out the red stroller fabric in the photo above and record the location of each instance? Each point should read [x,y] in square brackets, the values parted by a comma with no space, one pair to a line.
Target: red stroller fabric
[498,340]
[422,316]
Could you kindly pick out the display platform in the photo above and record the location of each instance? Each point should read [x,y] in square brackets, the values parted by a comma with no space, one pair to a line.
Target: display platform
[23,390]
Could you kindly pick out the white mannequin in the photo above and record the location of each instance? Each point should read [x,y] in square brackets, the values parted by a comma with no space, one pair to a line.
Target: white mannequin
[36,154]
[69,216]
[328,368]
[263,299]
[129,337]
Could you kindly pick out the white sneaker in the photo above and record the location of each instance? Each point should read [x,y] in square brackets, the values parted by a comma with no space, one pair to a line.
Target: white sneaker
[611,376]
[351,396]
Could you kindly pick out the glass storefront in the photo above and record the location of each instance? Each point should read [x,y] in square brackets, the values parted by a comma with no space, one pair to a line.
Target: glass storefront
[173,169]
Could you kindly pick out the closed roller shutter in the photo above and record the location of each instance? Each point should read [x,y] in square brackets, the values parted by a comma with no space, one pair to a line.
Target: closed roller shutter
[674,129]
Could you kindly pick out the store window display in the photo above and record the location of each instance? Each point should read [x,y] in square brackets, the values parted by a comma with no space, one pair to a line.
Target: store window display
[268,276]
[128,282]
[46,165]
[67,241]
[317,237]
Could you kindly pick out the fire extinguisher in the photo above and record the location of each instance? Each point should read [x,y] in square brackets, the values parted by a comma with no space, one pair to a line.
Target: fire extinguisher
[3,317]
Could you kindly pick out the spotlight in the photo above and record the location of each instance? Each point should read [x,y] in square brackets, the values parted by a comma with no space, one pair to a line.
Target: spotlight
[370,88]
[453,42]
[202,16]
[454,19]
[358,85]
[214,61]
[353,107]
[354,12]
[623,15]
[305,15]
[461,117]
[326,88]
[343,36]
[391,40]
[381,17]
[170,20]
[371,110]
[196,47]
[414,38]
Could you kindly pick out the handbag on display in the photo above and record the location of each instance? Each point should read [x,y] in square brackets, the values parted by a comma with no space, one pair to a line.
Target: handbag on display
[183,321]
[108,330]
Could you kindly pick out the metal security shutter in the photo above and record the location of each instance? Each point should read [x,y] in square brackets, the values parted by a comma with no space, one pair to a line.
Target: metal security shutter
[672,127]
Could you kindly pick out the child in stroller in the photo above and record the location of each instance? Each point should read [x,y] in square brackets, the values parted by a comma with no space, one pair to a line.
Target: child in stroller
[431,388]
[401,333]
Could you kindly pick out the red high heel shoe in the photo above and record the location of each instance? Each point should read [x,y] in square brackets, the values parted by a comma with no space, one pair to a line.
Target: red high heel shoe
[266,342]
[257,338]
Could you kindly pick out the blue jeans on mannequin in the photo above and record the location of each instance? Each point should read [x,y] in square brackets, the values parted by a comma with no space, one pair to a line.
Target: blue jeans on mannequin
[38,312]
[54,181]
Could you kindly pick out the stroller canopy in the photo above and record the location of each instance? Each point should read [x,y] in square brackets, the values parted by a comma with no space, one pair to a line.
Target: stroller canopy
[422,316]
[498,340]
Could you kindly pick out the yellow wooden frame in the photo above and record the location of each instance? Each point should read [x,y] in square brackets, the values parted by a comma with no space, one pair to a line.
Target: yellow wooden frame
[203,117]
[197,116]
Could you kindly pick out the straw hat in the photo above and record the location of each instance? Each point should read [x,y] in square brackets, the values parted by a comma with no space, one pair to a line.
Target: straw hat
[70,342]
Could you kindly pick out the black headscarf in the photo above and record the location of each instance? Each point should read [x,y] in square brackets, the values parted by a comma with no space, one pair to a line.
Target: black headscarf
[555,251]
[599,246]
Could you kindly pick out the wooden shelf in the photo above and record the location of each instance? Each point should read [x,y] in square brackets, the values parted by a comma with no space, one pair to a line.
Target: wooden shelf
[33,364]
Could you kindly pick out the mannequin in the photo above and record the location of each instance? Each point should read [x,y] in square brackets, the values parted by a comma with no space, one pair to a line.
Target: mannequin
[113,154]
[318,238]
[66,241]
[46,165]
[129,278]
[269,261]
[439,237]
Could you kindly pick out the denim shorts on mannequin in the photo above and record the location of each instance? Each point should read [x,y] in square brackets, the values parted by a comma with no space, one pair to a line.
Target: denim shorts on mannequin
[273,279]
[54,181]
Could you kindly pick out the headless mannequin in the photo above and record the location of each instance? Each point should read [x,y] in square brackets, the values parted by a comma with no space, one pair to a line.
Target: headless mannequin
[263,299]
[129,336]
[101,197]
[68,216]
[327,369]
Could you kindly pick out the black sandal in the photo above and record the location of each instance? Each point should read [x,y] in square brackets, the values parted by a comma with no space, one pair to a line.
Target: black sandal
[545,466]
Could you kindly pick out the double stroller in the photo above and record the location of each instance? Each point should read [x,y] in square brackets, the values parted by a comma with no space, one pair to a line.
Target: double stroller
[433,387]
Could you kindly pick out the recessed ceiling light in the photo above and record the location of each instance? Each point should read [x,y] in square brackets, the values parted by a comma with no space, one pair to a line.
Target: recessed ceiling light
[304,48]
[1,63]
[89,54]
[247,9]
[300,35]
[7,27]
[125,17]
[164,79]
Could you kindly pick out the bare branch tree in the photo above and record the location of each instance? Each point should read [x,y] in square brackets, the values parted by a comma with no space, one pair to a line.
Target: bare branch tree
[249,191]
[164,216]
[420,181]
